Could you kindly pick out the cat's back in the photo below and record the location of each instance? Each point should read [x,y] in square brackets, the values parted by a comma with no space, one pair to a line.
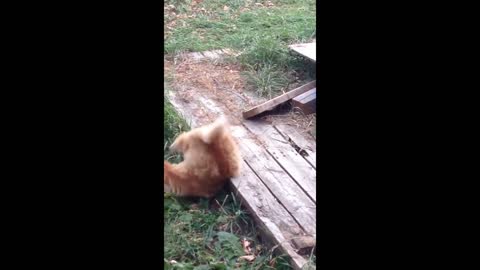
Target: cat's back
[227,155]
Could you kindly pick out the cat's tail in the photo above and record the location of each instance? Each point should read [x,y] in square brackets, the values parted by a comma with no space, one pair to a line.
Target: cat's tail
[215,130]
[172,179]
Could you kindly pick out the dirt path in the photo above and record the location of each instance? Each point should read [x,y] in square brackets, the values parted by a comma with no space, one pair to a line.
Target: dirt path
[223,84]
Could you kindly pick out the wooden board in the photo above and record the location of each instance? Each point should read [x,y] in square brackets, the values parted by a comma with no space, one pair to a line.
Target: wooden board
[207,55]
[274,221]
[268,105]
[306,102]
[306,144]
[280,184]
[285,155]
[308,50]
[306,94]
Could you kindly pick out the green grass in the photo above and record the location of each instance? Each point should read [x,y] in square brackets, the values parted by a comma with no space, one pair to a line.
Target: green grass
[173,125]
[261,33]
[266,80]
[202,234]
[291,21]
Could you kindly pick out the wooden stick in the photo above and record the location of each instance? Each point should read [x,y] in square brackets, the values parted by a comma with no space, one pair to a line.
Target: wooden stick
[278,100]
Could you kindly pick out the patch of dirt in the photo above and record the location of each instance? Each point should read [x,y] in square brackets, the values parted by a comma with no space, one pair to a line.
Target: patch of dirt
[219,82]
[213,87]
[285,114]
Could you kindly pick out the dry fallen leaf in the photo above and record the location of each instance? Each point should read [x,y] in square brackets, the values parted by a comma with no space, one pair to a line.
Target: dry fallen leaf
[246,246]
[248,257]
[173,262]
[226,8]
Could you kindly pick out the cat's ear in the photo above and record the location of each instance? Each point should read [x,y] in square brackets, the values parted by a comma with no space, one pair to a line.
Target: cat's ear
[214,130]
[180,144]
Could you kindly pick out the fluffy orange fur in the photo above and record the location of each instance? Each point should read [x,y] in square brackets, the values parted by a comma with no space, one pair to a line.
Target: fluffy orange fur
[211,157]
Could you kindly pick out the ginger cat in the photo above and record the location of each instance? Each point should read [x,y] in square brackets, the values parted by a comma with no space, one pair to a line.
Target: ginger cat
[211,157]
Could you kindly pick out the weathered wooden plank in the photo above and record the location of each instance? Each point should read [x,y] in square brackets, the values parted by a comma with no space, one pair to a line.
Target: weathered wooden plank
[280,184]
[306,102]
[195,111]
[268,105]
[211,105]
[183,109]
[272,218]
[304,244]
[306,94]
[306,49]
[213,55]
[307,146]
[283,152]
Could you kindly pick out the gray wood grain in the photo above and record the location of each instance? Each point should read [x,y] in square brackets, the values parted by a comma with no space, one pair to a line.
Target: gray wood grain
[304,142]
[289,159]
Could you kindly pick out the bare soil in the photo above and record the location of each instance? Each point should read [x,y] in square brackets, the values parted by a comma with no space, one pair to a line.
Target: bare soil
[222,83]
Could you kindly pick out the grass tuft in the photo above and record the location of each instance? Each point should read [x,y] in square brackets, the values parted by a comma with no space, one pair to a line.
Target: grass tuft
[265,80]
[173,125]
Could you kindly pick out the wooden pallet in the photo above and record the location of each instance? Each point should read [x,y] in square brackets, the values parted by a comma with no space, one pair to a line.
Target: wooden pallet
[278,179]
